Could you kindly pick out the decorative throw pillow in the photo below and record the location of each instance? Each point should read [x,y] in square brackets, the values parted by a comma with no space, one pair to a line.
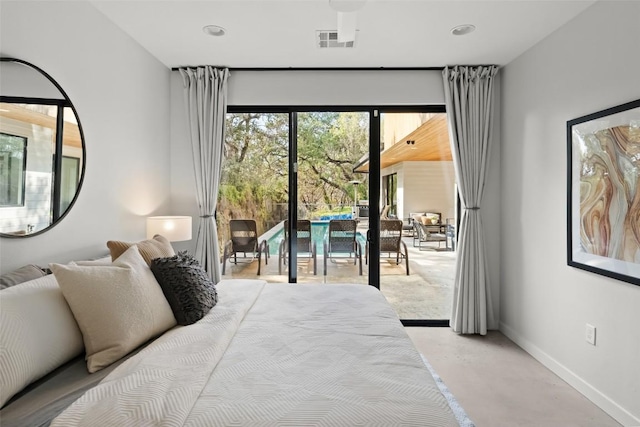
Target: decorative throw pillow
[157,247]
[103,260]
[37,334]
[118,307]
[430,218]
[21,275]
[187,287]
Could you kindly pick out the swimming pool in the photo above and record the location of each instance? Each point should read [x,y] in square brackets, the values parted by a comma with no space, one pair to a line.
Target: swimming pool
[318,230]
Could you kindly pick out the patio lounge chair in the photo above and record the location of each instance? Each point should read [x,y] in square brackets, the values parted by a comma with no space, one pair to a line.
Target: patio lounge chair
[243,237]
[340,242]
[305,245]
[428,231]
[391,241]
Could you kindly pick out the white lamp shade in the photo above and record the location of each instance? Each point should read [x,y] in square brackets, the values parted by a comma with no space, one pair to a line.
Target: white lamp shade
[174,228]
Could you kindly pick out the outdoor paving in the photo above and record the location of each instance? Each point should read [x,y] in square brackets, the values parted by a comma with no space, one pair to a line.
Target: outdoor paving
[425,294]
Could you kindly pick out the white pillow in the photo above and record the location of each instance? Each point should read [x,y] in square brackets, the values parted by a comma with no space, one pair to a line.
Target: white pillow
[118,307]
[105,260]
[37,334]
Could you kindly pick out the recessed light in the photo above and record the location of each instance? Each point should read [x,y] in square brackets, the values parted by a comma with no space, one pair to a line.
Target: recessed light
[214,30]
[461,30]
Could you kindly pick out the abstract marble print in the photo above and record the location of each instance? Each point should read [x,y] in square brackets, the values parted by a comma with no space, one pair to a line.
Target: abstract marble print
[609,186]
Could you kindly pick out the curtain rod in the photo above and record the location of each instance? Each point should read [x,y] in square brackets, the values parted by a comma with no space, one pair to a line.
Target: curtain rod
[324,68]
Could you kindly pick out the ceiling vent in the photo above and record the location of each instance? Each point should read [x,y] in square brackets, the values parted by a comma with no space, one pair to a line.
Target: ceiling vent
[325,39]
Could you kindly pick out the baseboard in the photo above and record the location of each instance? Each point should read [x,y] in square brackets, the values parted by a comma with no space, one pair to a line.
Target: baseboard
[620,414]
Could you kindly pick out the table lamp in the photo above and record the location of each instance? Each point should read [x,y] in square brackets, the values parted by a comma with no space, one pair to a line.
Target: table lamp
[174,228]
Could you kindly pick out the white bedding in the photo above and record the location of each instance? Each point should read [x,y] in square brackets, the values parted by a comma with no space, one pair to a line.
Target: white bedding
[274,354]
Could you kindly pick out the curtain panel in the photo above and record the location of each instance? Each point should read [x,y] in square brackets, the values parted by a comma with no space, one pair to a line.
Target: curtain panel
[469,102]
[205,95]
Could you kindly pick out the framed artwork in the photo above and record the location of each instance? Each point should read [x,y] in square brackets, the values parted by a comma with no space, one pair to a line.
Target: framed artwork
[603,192]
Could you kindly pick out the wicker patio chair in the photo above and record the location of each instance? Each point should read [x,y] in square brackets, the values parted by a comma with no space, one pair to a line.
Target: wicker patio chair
[340,242]
[391,241]
[305,245]
[243,237]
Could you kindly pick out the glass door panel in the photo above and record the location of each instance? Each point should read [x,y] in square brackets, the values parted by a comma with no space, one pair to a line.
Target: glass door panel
[418,182]
[332,198]
[253,197]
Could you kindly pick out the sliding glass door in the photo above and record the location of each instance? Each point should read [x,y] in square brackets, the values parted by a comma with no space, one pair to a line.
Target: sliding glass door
[417,232]
[254,194]
[331,197]
[291,208]
[343,195]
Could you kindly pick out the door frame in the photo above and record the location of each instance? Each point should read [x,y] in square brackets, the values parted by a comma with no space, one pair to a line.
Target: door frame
[374,190]
[375,113]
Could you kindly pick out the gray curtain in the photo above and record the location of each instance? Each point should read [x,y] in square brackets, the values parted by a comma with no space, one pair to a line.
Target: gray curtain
[205,98]
[469,102]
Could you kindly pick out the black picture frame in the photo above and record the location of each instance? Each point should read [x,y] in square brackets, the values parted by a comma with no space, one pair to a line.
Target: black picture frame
[603,192]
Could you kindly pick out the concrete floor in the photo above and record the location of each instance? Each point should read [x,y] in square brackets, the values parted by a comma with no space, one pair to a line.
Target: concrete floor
[500,385]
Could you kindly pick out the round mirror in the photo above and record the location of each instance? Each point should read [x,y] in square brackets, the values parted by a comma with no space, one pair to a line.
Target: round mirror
[42,150]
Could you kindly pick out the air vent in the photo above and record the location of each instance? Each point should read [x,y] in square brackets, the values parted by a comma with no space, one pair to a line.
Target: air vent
[325,39]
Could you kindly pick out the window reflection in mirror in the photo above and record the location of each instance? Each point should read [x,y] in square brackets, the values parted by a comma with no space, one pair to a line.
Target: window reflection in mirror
[13,157]
[41,152]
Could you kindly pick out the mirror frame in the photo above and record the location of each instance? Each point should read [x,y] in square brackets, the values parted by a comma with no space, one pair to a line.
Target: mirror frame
[84,150]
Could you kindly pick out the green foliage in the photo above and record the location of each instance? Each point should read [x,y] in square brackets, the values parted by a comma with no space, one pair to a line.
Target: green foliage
[255,175]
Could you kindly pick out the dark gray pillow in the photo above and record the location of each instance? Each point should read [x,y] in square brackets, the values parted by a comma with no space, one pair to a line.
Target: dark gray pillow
[22,274]
[187,287]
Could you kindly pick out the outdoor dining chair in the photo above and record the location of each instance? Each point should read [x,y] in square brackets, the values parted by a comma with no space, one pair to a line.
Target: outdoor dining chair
[391,241]
[340,242]
[243,238]
[305,246]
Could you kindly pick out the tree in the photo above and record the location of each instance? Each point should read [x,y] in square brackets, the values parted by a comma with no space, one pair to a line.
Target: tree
[255,175]
[329,146]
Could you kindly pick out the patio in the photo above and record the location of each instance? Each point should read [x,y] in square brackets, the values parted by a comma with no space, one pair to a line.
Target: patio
[424,294]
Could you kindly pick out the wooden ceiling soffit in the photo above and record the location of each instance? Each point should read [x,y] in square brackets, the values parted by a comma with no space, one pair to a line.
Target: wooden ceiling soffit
[71,131]
[431,144]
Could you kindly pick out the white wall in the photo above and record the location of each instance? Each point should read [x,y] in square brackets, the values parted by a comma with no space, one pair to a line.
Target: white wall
[590,64]
[121,94]
[351,88]
[428,187]
[335,87]
[424,186]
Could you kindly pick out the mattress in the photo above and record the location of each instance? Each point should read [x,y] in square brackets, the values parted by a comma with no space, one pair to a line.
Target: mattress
[274,354]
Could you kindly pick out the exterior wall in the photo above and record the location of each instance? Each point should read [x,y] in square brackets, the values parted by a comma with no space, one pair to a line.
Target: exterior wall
[588,65]
[37,185]
[428,187]
[121,94]
[424,187]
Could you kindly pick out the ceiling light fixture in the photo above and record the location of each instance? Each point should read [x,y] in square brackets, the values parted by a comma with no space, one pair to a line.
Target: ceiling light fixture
[461,30]
[214,30]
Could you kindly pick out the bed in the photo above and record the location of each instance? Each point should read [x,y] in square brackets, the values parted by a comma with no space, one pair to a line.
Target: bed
[265,354]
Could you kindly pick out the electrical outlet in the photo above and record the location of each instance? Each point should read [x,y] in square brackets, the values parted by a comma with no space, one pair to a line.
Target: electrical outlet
[590,334]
